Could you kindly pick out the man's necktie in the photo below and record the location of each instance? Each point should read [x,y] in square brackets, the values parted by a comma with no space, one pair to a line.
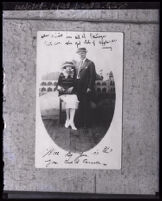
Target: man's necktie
[80,67]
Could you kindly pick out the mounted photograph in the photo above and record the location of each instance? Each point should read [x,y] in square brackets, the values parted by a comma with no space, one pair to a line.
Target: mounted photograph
[79,99]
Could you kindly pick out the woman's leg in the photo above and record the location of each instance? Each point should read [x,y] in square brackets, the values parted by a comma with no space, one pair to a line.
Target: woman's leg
[67,117]
[68,114]
[72,115]
[72,104]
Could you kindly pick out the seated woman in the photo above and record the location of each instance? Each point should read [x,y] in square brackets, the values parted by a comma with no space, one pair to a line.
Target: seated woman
[67,92]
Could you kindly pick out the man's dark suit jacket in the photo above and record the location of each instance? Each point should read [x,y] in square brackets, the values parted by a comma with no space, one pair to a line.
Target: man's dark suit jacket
[87,77]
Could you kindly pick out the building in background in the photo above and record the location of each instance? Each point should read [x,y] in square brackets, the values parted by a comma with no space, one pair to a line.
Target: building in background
[101,86]
[105,86]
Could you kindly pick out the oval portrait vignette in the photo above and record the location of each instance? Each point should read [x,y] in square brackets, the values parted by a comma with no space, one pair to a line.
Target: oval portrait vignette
[101,110]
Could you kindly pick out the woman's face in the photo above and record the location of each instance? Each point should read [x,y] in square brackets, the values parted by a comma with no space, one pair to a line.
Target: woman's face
[68,69]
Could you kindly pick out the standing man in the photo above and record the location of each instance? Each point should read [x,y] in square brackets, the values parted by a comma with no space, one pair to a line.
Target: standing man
[86,76]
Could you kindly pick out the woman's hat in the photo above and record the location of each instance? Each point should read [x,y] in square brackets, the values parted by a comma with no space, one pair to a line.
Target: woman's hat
[81,49]
[68,63]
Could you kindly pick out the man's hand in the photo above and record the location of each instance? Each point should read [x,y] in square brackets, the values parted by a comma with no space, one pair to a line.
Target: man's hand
[70,89]
[88,90]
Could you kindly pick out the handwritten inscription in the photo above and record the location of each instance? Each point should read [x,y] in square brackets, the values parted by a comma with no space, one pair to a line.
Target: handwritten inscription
[51,152]
[75,160]
[69,5]
[97,35]
[68,43]
[50,162]
[51,157]
[44,35]
[78,40]
[107,149]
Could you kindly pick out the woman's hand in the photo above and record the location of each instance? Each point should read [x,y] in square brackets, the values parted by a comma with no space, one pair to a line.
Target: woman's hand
[61,89]
[69,90]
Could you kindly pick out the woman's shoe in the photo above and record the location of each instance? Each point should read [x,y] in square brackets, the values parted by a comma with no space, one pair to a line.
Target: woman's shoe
[67,124]
[73,126]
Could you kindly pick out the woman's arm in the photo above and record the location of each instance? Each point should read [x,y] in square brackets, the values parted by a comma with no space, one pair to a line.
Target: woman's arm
[59,85]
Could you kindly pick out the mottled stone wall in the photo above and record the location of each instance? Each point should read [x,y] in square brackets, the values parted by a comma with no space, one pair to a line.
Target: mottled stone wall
[139,173]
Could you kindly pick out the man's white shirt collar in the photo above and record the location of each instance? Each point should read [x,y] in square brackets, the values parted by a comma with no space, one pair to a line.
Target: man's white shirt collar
[83,60]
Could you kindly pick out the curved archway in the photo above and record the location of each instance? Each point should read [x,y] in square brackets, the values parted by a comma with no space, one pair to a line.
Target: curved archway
[43,89]
[49,89]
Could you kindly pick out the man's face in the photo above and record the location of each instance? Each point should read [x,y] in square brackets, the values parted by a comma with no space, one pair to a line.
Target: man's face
[82,55]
